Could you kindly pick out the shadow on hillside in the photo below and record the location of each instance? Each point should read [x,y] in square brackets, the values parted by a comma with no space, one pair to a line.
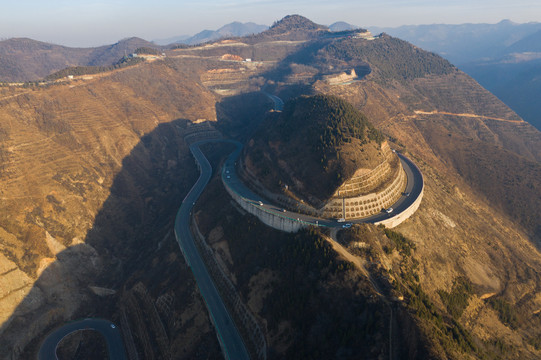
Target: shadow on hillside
[130,256]
[240,115]
[314,57]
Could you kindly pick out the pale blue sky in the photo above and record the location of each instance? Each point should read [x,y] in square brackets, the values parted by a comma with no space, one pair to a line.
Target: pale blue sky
[98,22]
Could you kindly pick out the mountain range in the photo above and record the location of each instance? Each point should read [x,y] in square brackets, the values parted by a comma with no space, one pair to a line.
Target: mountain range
[233,29]
[230,30]
[94,168]
[24,59]
[464,43]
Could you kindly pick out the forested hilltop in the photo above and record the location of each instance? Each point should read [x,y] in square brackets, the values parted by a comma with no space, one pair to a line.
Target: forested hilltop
[321,138]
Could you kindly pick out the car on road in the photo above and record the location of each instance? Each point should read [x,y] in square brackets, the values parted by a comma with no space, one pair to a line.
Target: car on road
[260,203]
[407,194]
[284,210]
[341,220]
[346,226]
[113,326]
[389,210]
[228,177]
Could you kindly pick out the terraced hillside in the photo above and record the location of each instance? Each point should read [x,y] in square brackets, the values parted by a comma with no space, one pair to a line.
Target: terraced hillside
[87,167]
[93,171]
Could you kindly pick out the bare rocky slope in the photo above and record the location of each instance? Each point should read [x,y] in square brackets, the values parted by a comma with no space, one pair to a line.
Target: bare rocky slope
[92,171]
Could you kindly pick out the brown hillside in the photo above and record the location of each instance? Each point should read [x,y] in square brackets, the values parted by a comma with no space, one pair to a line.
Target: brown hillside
[24,59]
[482,193]
[100,166]
[87,166]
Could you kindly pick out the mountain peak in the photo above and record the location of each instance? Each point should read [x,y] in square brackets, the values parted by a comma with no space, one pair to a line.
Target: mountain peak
[292,27]
[295,22]
[342,26]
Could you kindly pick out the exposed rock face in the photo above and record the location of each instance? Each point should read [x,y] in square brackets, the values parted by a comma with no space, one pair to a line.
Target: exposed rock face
[232,57]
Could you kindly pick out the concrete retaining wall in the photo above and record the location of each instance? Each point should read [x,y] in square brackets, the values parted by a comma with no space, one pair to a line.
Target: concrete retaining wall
[274,220]
[370,204]
[367,180]
[400,218]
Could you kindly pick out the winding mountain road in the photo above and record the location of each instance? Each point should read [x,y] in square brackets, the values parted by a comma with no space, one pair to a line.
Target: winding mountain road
[228,335]
[414,189]
[230,340]
[111,333]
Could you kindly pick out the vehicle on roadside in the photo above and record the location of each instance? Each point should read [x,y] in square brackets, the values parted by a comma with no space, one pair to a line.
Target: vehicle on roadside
[284,210]
[341,220]
[346,226]
[113,326]
[389,210]
[407,194]
[260,203]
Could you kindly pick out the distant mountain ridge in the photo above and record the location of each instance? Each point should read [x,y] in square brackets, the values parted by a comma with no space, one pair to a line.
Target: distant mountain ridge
[233,29]
[23,59]
[342,26]
[530,43]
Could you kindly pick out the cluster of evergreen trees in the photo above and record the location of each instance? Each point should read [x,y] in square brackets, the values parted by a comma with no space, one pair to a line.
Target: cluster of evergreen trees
[147,51]
[327,122]
[393,58]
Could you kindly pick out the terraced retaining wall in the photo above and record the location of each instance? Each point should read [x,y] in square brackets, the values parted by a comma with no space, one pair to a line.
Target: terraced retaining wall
[370,204]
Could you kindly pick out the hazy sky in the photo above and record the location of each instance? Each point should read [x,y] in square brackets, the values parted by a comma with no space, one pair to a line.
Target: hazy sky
[98,22]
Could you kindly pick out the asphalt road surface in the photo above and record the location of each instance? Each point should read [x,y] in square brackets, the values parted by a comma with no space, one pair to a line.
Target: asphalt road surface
[229,337]
[278,103]
[111,333]
[413,189]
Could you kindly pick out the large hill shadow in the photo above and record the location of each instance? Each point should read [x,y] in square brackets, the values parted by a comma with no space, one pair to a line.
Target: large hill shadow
[129,269]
